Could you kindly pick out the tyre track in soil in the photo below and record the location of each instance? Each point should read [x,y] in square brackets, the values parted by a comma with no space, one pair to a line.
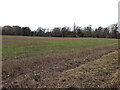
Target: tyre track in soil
[49,67]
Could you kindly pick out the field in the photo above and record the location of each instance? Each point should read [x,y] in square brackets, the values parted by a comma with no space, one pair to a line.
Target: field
[48,62]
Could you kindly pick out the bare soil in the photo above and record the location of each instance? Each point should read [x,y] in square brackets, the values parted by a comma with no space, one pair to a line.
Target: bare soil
[43,71]
[29,37]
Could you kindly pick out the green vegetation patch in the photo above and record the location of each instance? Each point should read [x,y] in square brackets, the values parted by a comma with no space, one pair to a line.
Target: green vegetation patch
[24,47]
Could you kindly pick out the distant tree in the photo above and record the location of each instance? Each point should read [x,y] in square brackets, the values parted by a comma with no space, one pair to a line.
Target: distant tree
[65,32]
[88,31]
[74,28]
[75,31]
[40,31]
[96,34]
[7,30]
[114,32]
[99,33]
[56,32]
[106,33]
[26,31]
[34,33]
[17,30]
[79,32]
[48,34]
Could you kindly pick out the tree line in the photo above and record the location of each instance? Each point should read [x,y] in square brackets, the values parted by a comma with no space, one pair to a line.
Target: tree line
[100,32]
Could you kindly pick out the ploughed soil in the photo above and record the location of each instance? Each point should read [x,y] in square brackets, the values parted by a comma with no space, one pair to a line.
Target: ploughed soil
[65,70]
[27,37]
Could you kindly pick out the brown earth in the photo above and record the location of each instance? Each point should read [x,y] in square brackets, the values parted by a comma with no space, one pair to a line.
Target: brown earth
[29,37]
[42,71]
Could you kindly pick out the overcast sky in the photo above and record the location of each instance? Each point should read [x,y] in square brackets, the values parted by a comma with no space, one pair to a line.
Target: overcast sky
[58,13]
